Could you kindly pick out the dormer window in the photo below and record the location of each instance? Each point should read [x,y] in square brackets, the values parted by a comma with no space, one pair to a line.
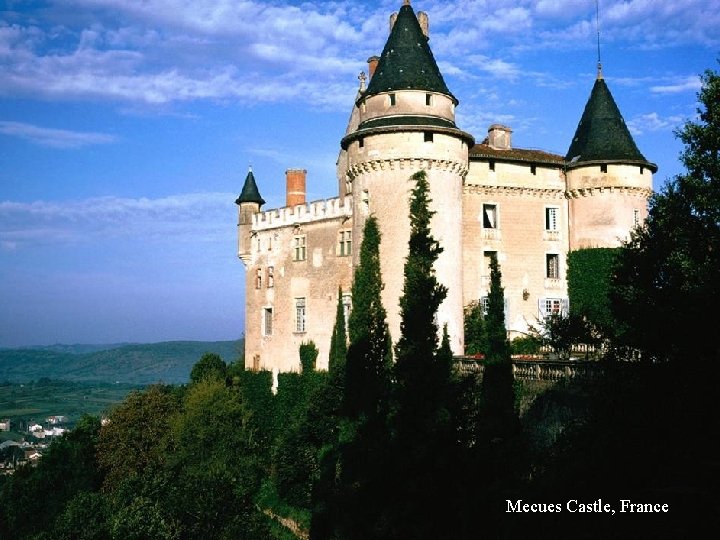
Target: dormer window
[428,136]
[392,100]
[603,168]
[533,169]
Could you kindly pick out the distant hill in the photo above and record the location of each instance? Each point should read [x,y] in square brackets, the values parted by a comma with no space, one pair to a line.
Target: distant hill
[168,362]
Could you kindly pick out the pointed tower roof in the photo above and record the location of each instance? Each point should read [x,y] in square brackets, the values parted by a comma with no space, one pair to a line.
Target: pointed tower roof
[250,192]
[602,135]
[407,63]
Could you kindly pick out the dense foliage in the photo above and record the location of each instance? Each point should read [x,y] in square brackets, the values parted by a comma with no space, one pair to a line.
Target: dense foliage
[589,276]
[669,268]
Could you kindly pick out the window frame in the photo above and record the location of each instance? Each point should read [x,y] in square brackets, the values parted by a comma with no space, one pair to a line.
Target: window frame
[549,210]
[552,266]
[267,314]
[300,303]
[495,216]
[299,248]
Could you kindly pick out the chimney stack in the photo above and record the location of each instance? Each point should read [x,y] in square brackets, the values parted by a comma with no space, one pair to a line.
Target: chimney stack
[372,65]
[499,137]
[295,186]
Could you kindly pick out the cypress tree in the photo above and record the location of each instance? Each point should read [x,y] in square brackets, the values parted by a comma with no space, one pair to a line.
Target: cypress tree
[498,346]
[351,492]
[426,408]
[338,342]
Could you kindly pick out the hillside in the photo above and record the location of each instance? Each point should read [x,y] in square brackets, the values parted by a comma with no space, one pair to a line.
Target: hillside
[167,362]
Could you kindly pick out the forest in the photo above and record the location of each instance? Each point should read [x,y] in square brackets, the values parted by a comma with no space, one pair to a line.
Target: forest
[393,442]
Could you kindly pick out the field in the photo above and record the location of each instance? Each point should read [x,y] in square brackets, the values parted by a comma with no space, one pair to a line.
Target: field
[24,403]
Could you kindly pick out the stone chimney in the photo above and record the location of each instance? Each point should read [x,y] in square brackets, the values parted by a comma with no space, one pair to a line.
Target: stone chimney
[372,65]
[499,137]
[295,186]
[422,18]
[424,23]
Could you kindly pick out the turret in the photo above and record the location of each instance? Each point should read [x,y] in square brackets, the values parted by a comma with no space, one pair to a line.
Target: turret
[406,123]
[249,203]
[608,179]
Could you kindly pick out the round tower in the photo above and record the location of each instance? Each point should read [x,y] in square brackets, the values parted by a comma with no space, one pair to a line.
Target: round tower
[608,180]
[406,123]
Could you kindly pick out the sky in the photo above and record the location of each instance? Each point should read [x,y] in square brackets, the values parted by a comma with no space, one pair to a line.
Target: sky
[127,129]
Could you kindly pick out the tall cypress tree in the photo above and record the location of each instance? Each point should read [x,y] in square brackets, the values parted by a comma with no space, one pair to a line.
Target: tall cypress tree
[426,398]
[351,493]
[498,346]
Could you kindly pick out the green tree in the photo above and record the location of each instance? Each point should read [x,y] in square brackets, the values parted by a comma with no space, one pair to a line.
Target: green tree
[308,356]
[668,270]
[589,276]
[338,342]
[350,488]
[475,335]
[133,440]
[498,346]
[210,366]
[426,418]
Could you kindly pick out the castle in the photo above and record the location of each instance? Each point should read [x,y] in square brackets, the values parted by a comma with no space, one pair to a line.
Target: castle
[527,207]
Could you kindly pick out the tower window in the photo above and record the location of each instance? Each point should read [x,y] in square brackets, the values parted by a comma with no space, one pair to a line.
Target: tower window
[603,168]
[491,165]
[552,266]
[345,243]
[428,99]
[392,100]
[489,216]
[258,278]
[267,321]
[300,314]
[551,218]
[299,248]
[270,276]
[533,169]
[361,142]
[636,217]
[428,136]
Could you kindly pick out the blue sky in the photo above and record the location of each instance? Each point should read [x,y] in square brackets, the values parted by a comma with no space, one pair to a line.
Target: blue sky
[126,131]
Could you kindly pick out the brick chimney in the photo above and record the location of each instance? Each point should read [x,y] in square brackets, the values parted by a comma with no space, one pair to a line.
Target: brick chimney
[295,186]
[372,65]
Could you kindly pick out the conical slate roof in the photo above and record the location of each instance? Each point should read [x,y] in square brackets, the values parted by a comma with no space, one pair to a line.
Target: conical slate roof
[602,135]
[250,192]
[407,63]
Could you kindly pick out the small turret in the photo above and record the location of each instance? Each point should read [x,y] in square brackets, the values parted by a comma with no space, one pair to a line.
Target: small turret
[249,203]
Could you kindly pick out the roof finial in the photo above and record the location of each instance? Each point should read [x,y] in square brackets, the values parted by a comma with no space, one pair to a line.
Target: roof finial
[362,78]
[406,3]
[597,24]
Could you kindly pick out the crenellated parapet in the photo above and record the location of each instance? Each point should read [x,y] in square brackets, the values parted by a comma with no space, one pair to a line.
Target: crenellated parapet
[336,207]
[409,164]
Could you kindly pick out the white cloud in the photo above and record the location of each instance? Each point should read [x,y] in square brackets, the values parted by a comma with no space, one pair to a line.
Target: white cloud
[653,122]
[200,217]
[57,138]
[686,84]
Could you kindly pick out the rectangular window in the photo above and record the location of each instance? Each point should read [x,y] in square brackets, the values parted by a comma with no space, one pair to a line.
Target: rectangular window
[267,321]
[392,100]
[551,219]
[552,266]
[485,303]
[428,99]
[258,278]
[533,169]
[636,217]
[603,168]
[345,243]
[270,276]
[489,216]
[428,136]
[361,142]
[491,164]
[300,314]
[299,248]
[552,306]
